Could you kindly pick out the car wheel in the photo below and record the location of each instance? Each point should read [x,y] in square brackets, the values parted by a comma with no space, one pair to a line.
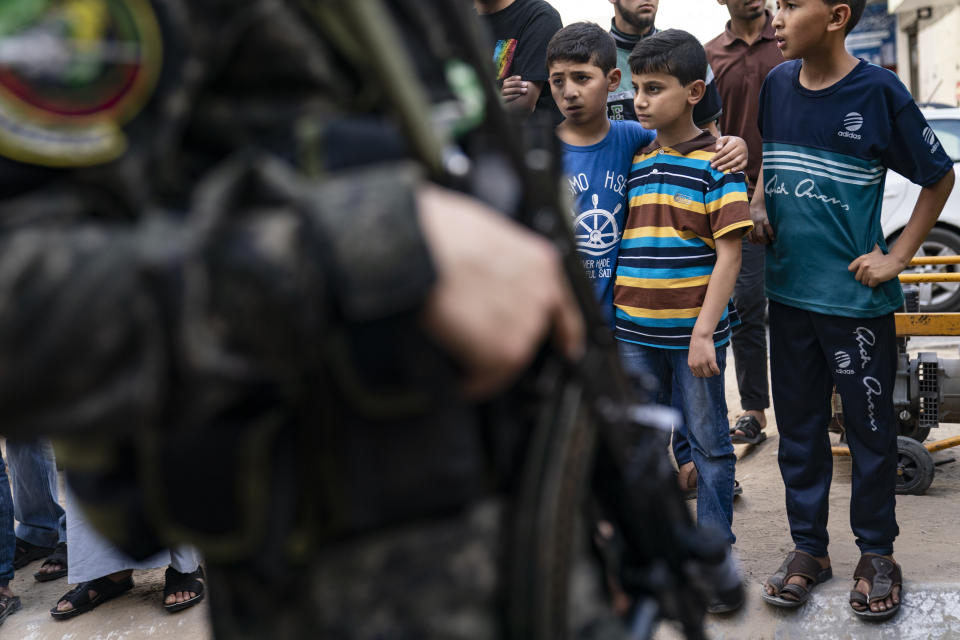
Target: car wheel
[939,296]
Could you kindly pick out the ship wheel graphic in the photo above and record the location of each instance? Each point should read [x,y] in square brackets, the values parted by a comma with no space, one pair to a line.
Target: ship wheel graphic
[596,230]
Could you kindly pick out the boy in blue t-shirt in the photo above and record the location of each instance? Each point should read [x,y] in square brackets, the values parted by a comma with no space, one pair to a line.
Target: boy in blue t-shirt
[832,125]
[597,152]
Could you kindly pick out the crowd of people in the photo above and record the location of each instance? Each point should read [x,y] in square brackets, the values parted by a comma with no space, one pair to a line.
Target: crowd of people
[671,221]
[706,180]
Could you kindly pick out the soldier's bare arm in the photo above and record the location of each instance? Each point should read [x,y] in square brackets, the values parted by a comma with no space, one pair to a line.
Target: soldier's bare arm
[500,290]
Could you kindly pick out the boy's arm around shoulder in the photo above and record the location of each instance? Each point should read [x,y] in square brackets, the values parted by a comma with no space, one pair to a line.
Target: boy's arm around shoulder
[732,154]
[876,267]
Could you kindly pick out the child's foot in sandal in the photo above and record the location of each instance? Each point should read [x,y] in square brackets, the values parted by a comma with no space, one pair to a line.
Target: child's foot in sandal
[876,592]
[791,585]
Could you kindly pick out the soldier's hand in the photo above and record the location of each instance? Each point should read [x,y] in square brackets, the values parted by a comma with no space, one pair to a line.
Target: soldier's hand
[500,290]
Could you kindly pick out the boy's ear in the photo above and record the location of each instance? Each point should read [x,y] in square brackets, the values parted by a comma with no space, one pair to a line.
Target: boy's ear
[695,91]
[839,17]
[613,79]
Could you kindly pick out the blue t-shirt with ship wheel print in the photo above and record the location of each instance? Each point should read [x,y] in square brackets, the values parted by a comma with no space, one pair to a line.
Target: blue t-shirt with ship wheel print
[597,178]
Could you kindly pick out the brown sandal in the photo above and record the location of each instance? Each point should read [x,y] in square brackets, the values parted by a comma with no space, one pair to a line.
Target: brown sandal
[797,563]
[883,574]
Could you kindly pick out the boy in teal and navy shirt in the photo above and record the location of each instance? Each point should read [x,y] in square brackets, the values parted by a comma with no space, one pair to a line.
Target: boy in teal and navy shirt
[679,260]
[832,125]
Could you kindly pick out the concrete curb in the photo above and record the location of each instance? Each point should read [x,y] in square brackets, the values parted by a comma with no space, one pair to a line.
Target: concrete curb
[930,611]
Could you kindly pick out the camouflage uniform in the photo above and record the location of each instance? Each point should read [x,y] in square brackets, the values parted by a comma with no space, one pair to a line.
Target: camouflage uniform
[435,578]
[202,281]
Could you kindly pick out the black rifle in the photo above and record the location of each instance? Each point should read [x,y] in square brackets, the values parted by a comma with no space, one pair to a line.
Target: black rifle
[589,430]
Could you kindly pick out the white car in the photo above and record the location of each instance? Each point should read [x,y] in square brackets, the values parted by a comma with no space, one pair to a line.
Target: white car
[899,196]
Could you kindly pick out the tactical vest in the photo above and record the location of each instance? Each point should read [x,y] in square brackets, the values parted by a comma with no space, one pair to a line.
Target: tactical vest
[254,442]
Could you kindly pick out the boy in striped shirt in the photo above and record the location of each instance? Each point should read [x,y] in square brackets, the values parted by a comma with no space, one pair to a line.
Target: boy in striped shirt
[679,260]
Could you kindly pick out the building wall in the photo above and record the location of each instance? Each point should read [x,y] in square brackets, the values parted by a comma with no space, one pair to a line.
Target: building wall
[903,50]
[938,53]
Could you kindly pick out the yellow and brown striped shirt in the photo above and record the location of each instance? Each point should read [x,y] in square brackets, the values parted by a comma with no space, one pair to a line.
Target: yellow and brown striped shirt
[678,206]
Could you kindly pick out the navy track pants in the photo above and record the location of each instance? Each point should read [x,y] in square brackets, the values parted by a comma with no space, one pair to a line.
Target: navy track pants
[809,354]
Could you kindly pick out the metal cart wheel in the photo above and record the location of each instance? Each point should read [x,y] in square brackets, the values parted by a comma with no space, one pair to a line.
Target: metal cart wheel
[914,467]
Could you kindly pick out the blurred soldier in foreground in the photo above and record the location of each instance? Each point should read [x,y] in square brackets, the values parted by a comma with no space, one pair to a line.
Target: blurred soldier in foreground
[254,325]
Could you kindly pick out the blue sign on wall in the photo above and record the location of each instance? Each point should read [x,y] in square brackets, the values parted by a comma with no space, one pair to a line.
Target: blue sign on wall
[875,37]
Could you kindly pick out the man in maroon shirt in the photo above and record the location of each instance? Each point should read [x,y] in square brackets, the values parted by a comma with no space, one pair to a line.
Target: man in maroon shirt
[741,57]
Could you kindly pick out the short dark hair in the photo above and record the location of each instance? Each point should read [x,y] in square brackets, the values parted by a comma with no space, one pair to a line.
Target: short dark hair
[674,52]
[583,42]
[856,11]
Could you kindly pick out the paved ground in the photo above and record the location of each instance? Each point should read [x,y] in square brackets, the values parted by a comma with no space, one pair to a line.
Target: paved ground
[930,537]
[926,548]
[136,614]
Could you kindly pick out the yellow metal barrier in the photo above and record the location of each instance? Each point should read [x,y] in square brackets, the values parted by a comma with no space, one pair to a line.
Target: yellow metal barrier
[915,278]
[937,445]
[927,324]
[927,260]
[940,445]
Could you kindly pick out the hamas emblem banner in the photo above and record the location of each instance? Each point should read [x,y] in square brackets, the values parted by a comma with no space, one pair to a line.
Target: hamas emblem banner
[72,74]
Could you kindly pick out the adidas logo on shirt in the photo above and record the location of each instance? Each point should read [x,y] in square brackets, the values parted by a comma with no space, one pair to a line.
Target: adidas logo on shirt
[931,139]
[851,123]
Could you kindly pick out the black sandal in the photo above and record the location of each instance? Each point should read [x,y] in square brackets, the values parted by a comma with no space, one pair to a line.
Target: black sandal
[752,431]
[79,596]
[797,563]
[883,574]
[174,582]
[27,553]
[8,605]
[58,557]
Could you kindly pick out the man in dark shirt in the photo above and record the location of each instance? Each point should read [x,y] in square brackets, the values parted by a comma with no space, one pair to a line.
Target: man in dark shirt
[520,30]
[632,21]
[741,57]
